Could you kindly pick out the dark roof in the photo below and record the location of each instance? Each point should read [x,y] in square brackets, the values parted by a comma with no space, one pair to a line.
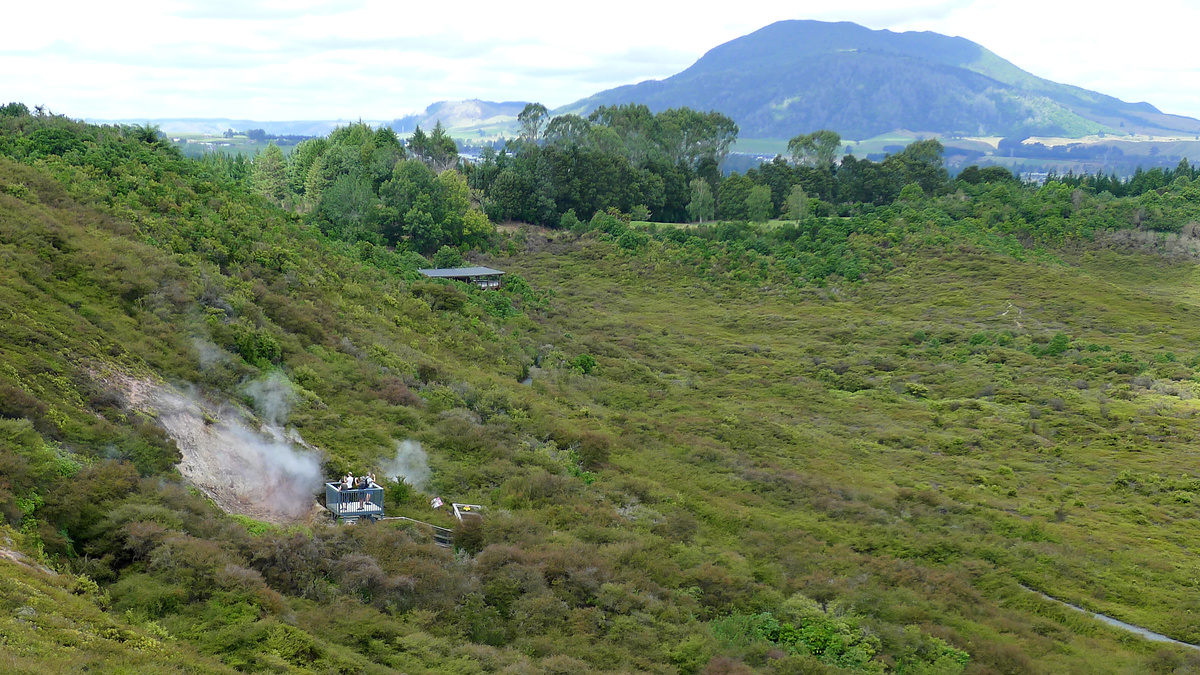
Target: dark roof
[456,272]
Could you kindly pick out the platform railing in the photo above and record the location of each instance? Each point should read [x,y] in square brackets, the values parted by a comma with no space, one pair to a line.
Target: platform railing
[354,502]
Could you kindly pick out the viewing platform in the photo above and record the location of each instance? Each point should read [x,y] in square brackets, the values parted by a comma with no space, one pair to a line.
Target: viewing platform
[347,506]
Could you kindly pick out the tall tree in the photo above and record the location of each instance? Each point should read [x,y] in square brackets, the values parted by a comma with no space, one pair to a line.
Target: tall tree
[758,204]
[732,195]
[568,130]
[301,160]
[818,149]
[701,205]
[921,163]
[269,175]
[797,204]
[689,136]
[532,117]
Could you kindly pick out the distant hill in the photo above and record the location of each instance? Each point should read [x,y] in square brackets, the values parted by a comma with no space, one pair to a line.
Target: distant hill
[463,115]
[469,116]
[794,77]
[217,125]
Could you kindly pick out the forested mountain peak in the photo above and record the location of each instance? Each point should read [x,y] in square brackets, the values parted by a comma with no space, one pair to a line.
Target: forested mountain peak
[799,76]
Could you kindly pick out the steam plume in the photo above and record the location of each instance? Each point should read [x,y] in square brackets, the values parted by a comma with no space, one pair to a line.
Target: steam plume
[273,397]
[268,473]
[410,463]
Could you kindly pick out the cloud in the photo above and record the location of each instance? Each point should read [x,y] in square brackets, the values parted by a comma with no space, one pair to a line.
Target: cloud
[244,10]
[314,59]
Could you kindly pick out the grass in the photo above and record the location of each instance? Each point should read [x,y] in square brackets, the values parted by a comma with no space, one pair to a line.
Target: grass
[1007,470]
[900,453]
[59,623]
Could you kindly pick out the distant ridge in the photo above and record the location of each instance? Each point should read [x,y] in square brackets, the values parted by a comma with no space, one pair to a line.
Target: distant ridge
[469,114]
[798,76]
[217,125]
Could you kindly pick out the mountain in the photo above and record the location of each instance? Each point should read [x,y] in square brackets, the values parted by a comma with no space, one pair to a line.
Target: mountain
[470,115]
[462,116]
[217,125]
[794,77]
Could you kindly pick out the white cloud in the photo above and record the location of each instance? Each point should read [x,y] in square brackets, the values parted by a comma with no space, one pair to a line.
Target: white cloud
[378,59]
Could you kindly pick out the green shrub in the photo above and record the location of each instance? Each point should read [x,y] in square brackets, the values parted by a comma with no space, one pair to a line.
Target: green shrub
[583,364]
[447,257]
[440,296]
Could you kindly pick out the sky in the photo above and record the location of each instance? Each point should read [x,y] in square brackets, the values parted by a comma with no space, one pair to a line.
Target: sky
[381,59]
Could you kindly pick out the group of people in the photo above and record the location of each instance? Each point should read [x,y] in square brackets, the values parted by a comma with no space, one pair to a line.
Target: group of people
[350,482]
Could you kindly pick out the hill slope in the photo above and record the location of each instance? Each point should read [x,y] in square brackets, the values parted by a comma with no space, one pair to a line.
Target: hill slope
[463,116]
[798,76]
[757,461]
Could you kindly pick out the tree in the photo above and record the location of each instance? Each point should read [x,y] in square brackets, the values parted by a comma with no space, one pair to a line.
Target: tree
[418,143]
[921,163]
[818,149]
[447,257]
[269,175]
[636,127]
[315,182]
[150,134]
[14,109]
[690,137]
[911,193]
[732,196]
[569,130]
[797,204]
[701,205]
[301,161]
[349,210]
[758,204]
[437,149]
[532,118]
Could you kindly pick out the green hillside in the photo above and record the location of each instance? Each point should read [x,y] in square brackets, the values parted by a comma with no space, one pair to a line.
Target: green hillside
[835,445]
[795,77]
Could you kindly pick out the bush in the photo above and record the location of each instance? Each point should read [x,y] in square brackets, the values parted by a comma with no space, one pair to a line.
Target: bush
[583,364]
[570,221]
[258,346]
[447,257]
[396,392]
[440,296]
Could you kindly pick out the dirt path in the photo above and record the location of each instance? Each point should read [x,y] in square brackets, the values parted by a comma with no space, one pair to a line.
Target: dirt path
[1137,630]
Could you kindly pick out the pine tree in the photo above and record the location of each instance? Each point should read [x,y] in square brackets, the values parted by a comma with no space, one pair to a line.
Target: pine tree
[269,175]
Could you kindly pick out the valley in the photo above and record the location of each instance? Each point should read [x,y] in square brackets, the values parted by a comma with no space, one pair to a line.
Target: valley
[899,410]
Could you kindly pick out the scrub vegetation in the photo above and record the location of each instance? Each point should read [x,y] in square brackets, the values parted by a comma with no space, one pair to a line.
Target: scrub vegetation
[840,442]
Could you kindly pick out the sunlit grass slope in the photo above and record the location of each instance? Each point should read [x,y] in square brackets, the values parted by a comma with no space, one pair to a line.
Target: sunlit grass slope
[729,458]
[964,425]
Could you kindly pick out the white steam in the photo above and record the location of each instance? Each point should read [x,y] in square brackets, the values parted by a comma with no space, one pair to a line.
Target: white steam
[270,473]
[273,397]
[410,464]
[208,353]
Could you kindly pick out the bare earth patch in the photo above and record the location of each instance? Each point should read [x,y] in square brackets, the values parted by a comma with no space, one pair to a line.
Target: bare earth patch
[266,473]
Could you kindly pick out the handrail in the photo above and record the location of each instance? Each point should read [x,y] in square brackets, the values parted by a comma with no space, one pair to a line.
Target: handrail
[354,502]
[442,536]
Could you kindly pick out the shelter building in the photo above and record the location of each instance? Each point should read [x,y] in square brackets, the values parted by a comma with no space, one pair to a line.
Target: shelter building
[483,277]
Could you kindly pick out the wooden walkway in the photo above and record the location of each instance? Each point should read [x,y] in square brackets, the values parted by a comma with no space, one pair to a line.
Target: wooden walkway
[441,536]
